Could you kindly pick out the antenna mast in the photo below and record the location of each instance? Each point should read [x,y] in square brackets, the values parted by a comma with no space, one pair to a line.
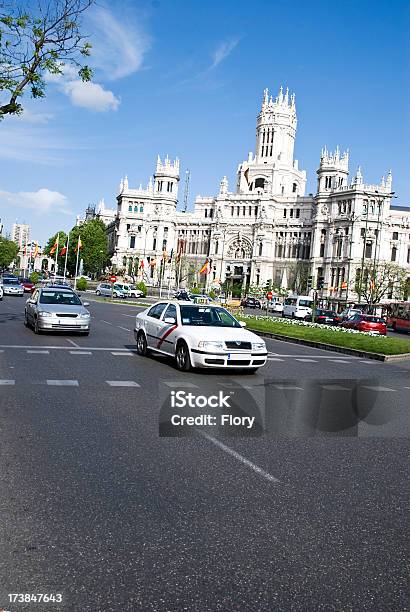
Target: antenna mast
[186,190]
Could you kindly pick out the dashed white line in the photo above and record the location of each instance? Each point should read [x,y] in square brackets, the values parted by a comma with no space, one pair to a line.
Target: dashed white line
[307,360]
[240,458]
[62,383]
[288,387]
[174,383]
[122,383]
[335,388]
[108,322]
[274,359]
[124,328]
[7,382]
[35,352]
[339,361]
[80,353]
[122,353]
[377,388]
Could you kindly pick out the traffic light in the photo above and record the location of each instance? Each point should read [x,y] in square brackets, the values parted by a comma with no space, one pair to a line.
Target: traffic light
[321,282]
[309,283]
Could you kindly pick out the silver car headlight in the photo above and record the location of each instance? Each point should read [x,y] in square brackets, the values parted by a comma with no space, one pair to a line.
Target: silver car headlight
[258,346]
[211,344]
[85,315]
[45,313]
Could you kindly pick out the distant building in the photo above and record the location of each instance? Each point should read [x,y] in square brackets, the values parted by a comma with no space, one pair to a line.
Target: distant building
[267,229]
[20,234]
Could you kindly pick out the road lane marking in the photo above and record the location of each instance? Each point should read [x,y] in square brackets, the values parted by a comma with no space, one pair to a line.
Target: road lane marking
[80,353]
[288,387]
[124,328]
[108,323]
[240,458]
[122,353]
[274,359]
[174,383]
[339,361]
[378,388]
[307,360]
[63,383]
[370,362]
[122,383]
[73,343]
[127,315]
[7,382]
[39,352]
[61,348]
[335,388]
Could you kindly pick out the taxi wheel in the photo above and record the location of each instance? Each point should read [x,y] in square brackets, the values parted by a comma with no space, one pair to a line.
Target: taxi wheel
[182,358]
[142,345]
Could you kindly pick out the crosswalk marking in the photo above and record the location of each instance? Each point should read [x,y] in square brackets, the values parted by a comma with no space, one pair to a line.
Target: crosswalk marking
[7,382]
[122,383]
[80,353]
[377,388]
[122,353]
[62,383]
[39,352]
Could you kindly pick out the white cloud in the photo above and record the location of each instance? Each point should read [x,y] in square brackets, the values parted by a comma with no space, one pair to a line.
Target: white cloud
[90,95]
[42,201]
[118,47]
[29,116]
[222,52]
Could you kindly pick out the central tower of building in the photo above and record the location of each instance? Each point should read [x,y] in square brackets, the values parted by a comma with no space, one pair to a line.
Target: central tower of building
[272,169]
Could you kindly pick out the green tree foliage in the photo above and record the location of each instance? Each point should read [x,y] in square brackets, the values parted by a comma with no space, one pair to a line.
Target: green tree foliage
[34,277]
[39,38]
[94,250]
[8,252]
[142,287]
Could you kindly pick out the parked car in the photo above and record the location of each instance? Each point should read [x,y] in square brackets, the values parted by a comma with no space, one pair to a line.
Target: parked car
[366,323]
[27,284]
[182,295]
[55,308]
[1,291]
[111,290]
[12,286]
[328,317]
[198,336]
[250,302]
[134,292]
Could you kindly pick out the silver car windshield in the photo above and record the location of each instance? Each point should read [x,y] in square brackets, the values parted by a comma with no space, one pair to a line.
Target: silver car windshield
[59,297]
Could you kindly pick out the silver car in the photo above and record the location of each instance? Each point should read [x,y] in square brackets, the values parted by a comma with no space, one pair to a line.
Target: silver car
[56,308]
[12,286]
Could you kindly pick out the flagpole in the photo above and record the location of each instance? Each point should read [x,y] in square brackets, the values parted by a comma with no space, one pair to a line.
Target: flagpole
[55,262]
[169,277]
[76,263]
[66,255]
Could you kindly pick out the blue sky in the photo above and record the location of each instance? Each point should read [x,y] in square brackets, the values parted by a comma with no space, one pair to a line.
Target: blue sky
[186,78]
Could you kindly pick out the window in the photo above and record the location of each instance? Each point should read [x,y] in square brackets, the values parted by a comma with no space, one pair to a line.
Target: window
[362,232]
[154,244]
[322,250]
[135,209]
[169,186]
[159,185]
[132,242]
[141,208]
[408,255]
[164,245]
[394,254]
[216,247]
[130,208]
[291,213]
[284,213]
[171,312]
[395,235]
[369,249]
[232,211]
[156,311]
[294,187]
[206,212]
[297,213]
[259,182]
[260,249]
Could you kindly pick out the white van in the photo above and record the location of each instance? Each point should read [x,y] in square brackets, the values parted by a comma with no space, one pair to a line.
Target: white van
[297,307]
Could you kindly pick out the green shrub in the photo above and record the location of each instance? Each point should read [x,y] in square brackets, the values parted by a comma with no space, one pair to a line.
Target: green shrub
[142,287]
[34,277]
[82,284]
[195,291]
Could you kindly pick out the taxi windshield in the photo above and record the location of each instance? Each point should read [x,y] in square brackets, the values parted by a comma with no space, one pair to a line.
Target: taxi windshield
[205,315]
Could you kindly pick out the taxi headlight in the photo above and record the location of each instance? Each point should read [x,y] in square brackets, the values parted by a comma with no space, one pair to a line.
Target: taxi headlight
[258,346]
[211,344]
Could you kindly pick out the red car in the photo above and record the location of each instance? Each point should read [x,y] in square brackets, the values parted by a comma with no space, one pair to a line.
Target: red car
[366,323]
[27,284]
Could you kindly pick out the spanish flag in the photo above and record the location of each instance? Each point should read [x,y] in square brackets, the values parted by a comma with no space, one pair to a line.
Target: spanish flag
[54,247]
[79,244]
[63,250]
[35,250]
[206,268]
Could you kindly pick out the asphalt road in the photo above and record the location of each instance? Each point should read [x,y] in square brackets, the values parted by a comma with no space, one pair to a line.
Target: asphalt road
[310,514]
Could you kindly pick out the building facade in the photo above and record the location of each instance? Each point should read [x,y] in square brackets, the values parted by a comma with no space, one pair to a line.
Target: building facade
[20,234]
[266,228]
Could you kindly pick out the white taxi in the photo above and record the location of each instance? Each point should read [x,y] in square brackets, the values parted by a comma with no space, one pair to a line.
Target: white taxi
[198,336]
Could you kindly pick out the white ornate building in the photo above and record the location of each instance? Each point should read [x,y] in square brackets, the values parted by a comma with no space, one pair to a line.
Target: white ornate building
[266,228]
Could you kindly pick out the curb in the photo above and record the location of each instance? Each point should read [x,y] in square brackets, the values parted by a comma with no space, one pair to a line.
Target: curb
[333,348]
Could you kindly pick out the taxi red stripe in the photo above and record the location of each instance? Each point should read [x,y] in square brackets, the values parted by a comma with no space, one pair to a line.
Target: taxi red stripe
[169,331]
